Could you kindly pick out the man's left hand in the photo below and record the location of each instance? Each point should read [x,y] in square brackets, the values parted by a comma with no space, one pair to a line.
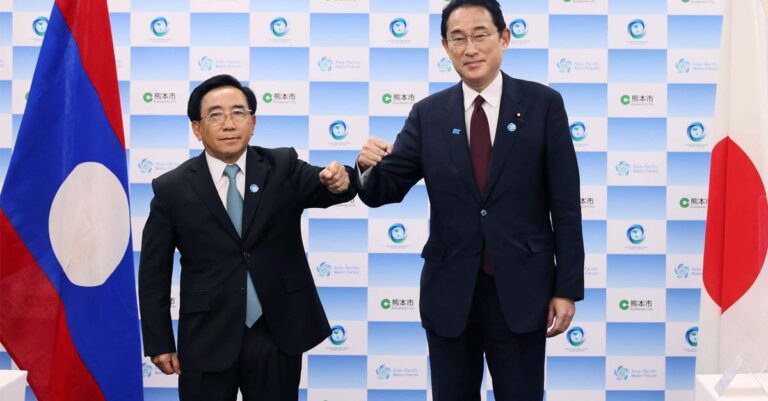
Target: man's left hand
[559,315]
[335,177]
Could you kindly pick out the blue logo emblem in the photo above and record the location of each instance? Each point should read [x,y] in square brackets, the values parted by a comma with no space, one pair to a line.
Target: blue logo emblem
[621,373]
[519,28]
[576,336]
[682,270]
[445,65]
[692,336]
[636,234]
[683,66]
[578,131]
[696,132]
[146,166]
[398,27]
[338,130]
[383,372]
[205,63]
[623,168]
[511,127]
[636,28]
[40,25]
[397,233]
[253,188]
[159,26]
[279,27]
[324,269]
[456,131]
[338,335]
[325,64]
[564,65]
[147,369]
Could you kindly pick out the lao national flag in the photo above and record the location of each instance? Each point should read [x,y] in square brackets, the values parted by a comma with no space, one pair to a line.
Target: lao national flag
[68,299]
[734,305]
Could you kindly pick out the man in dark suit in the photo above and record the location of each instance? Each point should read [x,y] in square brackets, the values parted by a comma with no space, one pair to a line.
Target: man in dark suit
[504,260]
[248,304]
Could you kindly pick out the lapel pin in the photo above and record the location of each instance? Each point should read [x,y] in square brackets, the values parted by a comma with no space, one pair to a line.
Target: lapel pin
[511,127]
[456,131]
[519,115]
[253,188]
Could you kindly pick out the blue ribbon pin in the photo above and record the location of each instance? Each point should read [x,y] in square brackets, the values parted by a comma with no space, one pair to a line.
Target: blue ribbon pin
[253,188]
[456,131]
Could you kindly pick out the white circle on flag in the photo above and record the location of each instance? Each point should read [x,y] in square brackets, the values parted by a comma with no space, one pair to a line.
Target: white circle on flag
[89,224]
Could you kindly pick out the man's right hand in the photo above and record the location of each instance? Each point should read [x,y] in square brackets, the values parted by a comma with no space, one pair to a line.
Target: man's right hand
[374,150]
[167,363]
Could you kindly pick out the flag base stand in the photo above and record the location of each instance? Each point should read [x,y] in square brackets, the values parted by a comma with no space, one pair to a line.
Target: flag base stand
[737,383]
[13,384]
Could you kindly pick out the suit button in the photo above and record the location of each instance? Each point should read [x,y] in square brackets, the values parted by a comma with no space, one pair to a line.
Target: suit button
[246,255]
[242,291]
[483,212]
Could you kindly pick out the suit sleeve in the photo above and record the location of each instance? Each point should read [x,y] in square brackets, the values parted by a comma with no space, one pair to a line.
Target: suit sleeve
[565,205]
[311,191]
[155,270]
[391,179]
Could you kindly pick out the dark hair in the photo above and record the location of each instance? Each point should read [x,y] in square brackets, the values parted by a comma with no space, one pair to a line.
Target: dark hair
[196,97]
[492,6]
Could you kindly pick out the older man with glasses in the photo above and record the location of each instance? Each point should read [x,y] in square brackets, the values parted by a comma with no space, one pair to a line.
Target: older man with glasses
[248,306]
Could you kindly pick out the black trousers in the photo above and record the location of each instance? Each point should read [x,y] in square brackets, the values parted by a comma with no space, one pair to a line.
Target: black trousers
[515,360]
[261,372]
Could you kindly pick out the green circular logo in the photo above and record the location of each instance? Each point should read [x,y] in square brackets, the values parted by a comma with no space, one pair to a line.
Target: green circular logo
[267,97]
[625,100]
[624,304]
[148,97]
[686,1]
[386,304]
[685,202]
[386,98]
[26,96]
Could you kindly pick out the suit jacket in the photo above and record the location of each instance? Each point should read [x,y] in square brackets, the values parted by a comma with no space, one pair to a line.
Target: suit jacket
[528,217]
[187,213]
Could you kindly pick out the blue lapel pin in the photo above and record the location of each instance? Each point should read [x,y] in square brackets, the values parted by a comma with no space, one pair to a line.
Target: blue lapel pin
[511,127]
[253,188]
[456,131]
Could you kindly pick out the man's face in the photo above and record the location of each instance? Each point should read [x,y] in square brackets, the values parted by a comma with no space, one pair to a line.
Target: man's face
[476,63]
[225,140]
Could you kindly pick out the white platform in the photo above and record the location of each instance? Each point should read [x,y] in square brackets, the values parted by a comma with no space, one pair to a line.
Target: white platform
[12,385]
[744,387]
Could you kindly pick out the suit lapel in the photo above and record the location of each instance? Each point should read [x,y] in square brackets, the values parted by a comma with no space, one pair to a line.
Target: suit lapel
[506,135]
[255,178]
[458,143]
[202,183]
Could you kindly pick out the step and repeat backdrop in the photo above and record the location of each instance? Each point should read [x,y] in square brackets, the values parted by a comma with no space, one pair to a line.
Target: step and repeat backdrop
[638,79]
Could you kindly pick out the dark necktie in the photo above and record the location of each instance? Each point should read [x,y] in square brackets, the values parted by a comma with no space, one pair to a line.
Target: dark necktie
[480,151]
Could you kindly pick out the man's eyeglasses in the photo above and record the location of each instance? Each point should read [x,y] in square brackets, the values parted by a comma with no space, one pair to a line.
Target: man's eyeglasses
[460,41]
[219,117]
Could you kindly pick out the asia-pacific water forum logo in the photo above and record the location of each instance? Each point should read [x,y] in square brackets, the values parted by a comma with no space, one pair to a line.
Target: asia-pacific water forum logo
[146,166]
[444,65]
[324,269]
[338,335]
[636,234]
[578,131]
[565,65]
[40,26]
[682,271]
[383,372]
[279,27]
[621,373]
[636,28]
[325,64]
[519,28]
[683,66]
[205,63]
[338,130]
[696,132]
[576,336]
[159,26]
[692,336]
[397,233]
[623,168]
[398,27]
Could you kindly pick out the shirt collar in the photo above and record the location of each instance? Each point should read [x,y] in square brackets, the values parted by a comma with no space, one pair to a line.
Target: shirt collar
[217,166]
[491,94]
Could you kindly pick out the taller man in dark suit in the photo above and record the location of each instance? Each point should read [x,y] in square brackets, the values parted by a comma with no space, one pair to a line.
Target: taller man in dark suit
[505,256]
[248,305]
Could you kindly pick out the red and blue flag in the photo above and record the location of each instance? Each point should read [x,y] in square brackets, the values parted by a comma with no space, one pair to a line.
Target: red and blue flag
[68,310]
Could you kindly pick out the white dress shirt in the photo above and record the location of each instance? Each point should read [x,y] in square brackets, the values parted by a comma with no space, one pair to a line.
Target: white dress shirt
[221,181]
[492,96]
